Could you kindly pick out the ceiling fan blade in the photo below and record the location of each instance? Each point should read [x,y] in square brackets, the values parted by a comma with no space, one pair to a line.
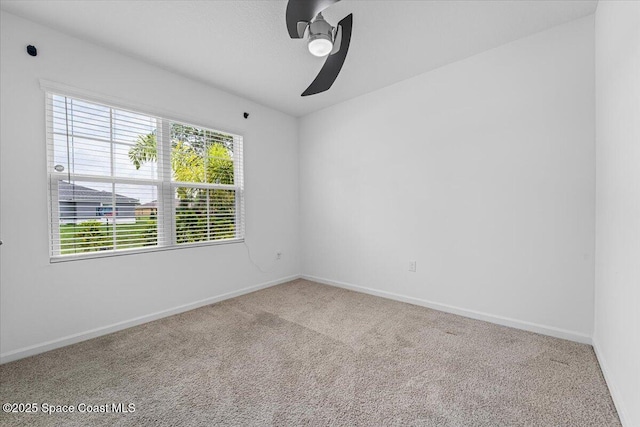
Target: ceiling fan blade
[337,40]
[303,11]
[334,62]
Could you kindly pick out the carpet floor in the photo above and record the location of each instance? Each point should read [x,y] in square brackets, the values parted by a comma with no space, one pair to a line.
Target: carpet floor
[302,353]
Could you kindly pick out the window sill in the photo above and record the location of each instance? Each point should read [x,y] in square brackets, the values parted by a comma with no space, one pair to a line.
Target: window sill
[122,252]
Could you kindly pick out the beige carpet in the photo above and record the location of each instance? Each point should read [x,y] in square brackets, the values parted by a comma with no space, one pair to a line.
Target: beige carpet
[308,354]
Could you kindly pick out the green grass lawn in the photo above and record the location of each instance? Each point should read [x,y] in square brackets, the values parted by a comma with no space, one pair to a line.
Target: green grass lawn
[92,236]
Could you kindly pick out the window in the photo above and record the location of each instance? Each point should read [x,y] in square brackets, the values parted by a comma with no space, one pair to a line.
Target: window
[127,181]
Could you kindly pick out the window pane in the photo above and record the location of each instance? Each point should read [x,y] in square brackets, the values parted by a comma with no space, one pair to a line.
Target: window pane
[219,165]
[191,215]
[84,209]
[88,221]
[128,126]
[136,216]
[204,214]
[87,119]
[126,159]
[89,156]
[201,156]
[93,139]
[135,145]
[223,214]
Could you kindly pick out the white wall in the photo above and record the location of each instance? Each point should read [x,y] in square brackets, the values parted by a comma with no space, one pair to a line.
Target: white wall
[617,308]
[42,302]
[482,171]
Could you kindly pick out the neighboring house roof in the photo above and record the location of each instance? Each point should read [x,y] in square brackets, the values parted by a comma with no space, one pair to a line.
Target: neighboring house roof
[154,204]
[68,192]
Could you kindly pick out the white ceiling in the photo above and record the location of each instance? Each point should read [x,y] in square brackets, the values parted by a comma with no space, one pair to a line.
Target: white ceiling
[243,46]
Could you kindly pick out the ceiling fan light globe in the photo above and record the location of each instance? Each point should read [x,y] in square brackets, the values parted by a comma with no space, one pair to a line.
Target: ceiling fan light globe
[320,46]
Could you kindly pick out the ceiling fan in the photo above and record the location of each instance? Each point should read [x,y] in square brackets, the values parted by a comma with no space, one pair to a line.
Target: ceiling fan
[304,19]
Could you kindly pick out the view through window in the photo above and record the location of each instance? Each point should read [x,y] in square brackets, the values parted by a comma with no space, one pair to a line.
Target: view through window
[123,180]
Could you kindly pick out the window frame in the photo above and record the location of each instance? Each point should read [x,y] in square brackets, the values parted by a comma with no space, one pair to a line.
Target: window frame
[166,214]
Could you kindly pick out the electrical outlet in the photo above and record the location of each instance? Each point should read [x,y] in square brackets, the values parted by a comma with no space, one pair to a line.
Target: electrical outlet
[412,266]
[279,255]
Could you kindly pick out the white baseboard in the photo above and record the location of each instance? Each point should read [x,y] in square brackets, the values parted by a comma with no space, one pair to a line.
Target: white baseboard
[500,320]
[93,333]
[613,390]
[104,330]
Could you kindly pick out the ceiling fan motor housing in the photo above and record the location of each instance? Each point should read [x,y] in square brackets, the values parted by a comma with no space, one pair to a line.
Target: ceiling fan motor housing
[320,29]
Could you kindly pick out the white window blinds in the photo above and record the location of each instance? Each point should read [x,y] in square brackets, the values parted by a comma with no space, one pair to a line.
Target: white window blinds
[127,181]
